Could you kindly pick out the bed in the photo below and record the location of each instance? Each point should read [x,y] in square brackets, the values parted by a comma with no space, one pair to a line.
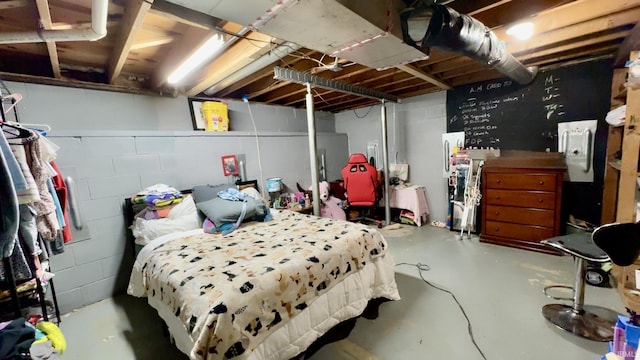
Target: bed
[268,290]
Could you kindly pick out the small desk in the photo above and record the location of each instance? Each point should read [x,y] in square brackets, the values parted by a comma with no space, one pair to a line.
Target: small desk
[412,198]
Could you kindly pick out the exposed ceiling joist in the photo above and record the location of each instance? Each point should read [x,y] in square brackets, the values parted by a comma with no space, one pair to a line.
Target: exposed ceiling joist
[424,76]
[135,13]
[45,19]
[632,42]
[566,31]
[12,4]
[152,43]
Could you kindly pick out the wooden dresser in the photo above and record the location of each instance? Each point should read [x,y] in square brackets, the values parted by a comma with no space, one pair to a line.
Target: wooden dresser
[521,199]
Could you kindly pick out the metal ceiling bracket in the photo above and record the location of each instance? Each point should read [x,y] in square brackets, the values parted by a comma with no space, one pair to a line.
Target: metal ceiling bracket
[328,84]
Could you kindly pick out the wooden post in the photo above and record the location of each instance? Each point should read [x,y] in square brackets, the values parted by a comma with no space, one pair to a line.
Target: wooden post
[614,144]
[626,211]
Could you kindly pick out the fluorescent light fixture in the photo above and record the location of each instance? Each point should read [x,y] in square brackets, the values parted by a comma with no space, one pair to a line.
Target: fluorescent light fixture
[204,53]
[522,31]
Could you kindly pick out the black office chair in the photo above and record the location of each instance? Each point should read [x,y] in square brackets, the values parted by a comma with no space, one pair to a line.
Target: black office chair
[590,322]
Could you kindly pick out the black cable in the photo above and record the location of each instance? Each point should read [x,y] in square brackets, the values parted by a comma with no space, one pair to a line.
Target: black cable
[423,267]
[364,116]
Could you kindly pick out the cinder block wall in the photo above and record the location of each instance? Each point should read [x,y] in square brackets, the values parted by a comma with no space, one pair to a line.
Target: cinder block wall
[415,129]
[128,142]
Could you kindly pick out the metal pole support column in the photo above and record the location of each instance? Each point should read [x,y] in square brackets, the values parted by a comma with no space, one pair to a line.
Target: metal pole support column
[385,163]
[313,159]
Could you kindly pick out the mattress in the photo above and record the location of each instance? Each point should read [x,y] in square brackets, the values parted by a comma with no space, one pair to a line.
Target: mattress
[267,290]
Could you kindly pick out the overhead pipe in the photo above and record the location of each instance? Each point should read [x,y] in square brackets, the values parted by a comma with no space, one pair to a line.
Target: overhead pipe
[267,59]
[433,25]
[97,30]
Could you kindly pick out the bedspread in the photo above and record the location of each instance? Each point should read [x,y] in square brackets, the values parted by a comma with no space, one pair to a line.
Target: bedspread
[232,292]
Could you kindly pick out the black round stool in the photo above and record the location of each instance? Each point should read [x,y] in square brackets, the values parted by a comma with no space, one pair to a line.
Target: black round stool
[593,323]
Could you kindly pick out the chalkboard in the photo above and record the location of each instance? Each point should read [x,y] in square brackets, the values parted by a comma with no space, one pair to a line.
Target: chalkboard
[503,114]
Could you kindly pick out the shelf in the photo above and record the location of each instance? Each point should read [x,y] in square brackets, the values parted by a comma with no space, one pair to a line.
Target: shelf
[617,166]
[622,95]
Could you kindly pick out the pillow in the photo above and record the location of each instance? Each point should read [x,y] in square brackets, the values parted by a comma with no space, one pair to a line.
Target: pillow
[202,193]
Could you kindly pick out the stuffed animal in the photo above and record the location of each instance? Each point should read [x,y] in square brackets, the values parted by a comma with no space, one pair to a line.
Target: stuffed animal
[331,205]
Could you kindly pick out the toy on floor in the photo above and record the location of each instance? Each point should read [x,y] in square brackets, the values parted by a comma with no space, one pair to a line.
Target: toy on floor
[331,205]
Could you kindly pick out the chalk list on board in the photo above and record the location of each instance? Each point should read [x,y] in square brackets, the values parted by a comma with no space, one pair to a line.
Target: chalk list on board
[504,114]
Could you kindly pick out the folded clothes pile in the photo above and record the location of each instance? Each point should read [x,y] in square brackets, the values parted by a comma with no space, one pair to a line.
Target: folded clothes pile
[161,209]
[158,195]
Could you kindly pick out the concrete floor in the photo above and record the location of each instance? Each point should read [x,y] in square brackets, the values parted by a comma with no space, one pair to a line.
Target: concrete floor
[500,289]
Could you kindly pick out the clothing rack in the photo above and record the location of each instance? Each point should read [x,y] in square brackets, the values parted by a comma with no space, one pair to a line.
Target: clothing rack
[19,297]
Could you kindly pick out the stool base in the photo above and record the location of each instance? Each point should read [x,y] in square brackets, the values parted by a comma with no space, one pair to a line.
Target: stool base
[587,325]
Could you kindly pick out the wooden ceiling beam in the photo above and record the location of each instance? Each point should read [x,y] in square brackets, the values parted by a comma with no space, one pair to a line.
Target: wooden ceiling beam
[131,23]
[408,68]
[233,59]
[574,31]
[573,55]
[74,83]
[45,19]
[152,43]
[473,6]
[421,91]
[12,4]
[487,7]
[630,43]
[572,14]
[509,12]
[576,45]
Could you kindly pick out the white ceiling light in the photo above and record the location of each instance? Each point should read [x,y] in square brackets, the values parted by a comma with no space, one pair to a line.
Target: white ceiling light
[522,31]
[204,53]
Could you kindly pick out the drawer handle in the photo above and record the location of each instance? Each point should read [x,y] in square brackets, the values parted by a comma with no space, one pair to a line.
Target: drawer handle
[540,200]
[498,181]
[497,212]
[541,182]
[497,197]
[497,229]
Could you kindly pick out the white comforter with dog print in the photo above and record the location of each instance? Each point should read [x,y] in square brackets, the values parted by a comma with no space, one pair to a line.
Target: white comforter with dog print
[230,294]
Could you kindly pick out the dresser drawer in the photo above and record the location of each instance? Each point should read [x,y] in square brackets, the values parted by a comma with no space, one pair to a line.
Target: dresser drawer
[515,231]
[527,216]
[515,181]
[534,199]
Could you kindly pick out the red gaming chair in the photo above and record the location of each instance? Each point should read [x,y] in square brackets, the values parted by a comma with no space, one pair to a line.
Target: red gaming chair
[361,185]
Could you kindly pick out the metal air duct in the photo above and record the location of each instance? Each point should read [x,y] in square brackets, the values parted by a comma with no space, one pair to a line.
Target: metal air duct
[443,28]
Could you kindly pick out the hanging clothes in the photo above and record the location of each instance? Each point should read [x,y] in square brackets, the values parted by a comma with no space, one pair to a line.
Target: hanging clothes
[8,209]
[61,190]
[46,220]
[29,194]
[18,180]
